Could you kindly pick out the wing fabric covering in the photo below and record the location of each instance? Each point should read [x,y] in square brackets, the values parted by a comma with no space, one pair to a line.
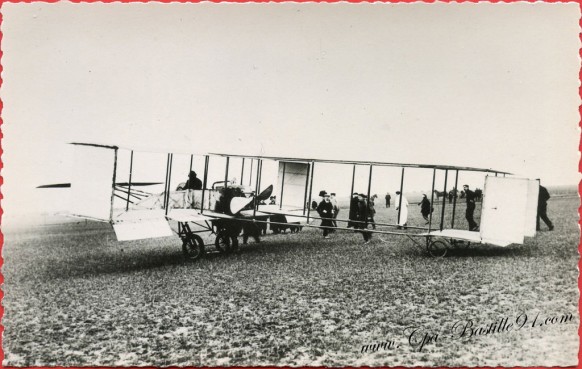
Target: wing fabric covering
[142,229]
[505,210]
[533,190]
[293,184]
[92,182]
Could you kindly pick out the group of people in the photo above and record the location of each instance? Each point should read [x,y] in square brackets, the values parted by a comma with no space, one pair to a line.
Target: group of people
[361,213]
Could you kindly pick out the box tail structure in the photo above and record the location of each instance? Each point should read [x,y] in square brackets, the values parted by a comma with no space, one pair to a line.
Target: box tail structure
[509,210]
[508,214]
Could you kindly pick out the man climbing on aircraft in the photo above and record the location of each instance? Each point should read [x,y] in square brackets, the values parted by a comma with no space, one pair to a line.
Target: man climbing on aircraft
[193,182]
[470,196]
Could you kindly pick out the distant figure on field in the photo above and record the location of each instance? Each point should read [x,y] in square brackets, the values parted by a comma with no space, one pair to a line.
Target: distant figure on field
[325,211]
[387,200]
[402,205]
[336,209]
[353,215]
[543,198]
[470,196]
[193,182]
[452,195]
[425,208]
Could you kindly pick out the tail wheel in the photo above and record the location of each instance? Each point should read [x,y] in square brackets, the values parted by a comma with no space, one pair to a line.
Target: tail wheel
[437,248]
[193,247]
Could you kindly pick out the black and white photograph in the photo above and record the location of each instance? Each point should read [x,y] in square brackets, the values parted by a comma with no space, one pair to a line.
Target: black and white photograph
[223,184]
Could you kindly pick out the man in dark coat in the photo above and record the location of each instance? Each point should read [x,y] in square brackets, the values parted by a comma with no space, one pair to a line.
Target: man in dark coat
[362,218]
[543,198]
[425,208]
[325,211]
[388,200]
[193,182]
[353,215]
[470,196]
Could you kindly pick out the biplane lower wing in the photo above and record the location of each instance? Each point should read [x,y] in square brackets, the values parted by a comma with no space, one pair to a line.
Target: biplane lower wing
[149,228]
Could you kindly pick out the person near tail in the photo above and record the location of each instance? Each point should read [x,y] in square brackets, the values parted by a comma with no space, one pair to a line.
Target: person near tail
[543,198]
[470,196]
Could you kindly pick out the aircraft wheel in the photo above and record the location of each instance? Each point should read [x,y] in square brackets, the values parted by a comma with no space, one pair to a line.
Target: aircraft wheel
[193,247]
[222,243]
[437,249]
[276,229]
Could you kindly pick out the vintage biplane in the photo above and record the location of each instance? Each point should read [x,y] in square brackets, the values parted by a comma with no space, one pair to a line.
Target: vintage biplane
[227,209]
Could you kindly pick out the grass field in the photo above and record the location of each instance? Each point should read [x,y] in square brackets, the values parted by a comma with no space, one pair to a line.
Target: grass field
[74,296]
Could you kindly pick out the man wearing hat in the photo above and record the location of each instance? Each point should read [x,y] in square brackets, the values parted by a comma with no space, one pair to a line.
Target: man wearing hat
[193,182]
[325,211]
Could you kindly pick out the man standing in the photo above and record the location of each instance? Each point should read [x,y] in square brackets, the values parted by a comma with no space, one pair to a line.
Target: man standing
[470,196]
[325,211]
[402,204]
[387,200]
[362,214]
[353,216]
[333,201]
[543,198]
[425,208]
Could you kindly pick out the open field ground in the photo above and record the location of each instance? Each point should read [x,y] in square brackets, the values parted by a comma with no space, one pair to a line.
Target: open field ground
[74,296]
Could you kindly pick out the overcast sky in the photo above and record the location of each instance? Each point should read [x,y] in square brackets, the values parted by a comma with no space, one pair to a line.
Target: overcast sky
[482,85]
